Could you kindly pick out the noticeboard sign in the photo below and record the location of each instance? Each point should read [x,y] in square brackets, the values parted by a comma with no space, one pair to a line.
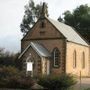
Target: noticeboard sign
[29,66]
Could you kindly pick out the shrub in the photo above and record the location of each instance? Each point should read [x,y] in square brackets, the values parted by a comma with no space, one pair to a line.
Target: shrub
[20,82]
[6,73]
[11,77]
[63,81]
[87,89]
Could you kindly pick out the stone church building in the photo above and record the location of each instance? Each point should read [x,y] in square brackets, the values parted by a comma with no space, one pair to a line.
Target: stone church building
[55,48]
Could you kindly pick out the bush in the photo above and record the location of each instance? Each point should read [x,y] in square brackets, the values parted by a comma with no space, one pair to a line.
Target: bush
[63,81]
[20,82]
[87,89]
[6,73]
[11,77]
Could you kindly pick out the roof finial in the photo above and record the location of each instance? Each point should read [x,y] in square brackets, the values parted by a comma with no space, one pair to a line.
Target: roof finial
[44,10]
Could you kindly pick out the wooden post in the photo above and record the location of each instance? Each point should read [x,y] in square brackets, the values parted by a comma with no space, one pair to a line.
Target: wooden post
[80,79]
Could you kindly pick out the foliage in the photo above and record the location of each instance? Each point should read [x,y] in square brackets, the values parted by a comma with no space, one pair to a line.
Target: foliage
[32,13]
[11,77]
[11,74]
[20,82]
[9,59]
[79,19]
[87,89]
[63,81]
[18,62]
[6,73]
[6,58]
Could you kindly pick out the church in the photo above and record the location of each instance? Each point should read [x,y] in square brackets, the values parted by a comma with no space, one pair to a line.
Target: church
[54,48]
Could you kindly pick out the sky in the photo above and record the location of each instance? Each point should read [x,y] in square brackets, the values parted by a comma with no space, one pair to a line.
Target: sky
[11,14]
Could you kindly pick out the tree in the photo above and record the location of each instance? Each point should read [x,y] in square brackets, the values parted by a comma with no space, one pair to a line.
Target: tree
[32,13]
[9,59]
[79,19]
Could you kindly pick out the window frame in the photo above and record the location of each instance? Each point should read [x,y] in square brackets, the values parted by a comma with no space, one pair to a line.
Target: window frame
[42,24]
[83,60]
[56,57]
[74,59]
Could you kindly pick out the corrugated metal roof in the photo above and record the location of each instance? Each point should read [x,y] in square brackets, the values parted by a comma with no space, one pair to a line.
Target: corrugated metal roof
[68,32]
[41,50]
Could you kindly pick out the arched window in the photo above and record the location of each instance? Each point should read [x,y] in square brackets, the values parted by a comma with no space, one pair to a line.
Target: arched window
[74,59]
[56,57]
[83,60]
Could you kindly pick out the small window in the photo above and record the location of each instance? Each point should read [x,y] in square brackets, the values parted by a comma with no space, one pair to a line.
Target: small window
[42,24]
[56,58]
[74,59]
[83,60]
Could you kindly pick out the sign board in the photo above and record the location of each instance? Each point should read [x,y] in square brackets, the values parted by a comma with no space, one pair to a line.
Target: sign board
[29,66]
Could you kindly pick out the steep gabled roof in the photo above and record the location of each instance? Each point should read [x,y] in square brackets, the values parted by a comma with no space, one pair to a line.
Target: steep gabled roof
[68,32]
[41,50]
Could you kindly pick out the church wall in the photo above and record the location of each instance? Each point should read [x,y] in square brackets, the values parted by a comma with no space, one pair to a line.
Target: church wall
[50,45]
[35,58]
[69,59]
[60,44]
[24,45]
[50,37]
[89,60]
[41,33]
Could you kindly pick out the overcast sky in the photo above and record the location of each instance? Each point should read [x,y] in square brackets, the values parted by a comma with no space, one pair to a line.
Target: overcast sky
[12,11]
